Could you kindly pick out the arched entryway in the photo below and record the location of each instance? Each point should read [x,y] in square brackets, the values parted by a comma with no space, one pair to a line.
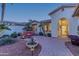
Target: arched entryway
[63,27]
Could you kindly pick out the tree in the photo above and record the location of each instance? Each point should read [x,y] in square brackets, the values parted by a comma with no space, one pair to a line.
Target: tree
[28,26]
[3,11]
[3,7]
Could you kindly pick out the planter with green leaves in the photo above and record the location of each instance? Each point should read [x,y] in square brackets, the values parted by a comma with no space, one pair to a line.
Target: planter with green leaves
[31,43]
[3,26]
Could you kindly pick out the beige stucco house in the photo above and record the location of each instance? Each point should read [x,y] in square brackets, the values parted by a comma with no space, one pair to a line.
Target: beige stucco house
[65,20]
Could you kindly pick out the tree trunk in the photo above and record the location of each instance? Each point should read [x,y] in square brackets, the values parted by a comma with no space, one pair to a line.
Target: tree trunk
[3,11]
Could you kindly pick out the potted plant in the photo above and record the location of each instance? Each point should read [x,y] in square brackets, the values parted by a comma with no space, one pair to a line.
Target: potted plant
[31,43]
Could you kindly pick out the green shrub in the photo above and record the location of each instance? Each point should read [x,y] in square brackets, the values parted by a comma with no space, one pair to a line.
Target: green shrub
[32,42]
[49,34]
[40,33]
[4,36]
[3,26]
[14,35]
[9,41]
[19,34]
[6,41]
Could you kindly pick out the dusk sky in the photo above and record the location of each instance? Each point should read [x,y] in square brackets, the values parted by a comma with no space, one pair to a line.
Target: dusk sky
[24,12]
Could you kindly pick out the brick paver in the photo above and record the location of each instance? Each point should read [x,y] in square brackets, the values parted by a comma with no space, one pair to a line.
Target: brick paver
[52,47]
[17,49]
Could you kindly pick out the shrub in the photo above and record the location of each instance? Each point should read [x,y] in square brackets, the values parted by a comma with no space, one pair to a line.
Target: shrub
[73,37]
[32,42]
[14,35]
[6,41]
[3,26]
[40,33]
[5,36]
[19,34]
[49,34]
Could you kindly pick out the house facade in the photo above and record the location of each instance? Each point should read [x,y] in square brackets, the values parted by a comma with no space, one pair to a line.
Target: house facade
[35,26]
[46,25]
[65,21]
[42,26]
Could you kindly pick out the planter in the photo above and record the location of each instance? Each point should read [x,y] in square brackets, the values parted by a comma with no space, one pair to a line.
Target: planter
[31,46]
[30,43]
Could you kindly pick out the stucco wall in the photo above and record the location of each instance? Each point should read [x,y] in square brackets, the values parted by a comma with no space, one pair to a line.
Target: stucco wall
[67,13]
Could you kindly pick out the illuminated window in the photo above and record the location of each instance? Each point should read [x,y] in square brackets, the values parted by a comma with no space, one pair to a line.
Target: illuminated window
[63,27]
[47,27]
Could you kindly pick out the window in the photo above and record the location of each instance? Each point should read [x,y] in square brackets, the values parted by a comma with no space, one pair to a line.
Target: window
[47,27]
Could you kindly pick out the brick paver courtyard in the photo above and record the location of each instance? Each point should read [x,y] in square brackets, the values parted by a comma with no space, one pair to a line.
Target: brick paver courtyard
[49,47]
[52,47]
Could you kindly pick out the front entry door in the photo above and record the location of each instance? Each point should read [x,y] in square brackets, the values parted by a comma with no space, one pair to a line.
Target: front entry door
[63,28]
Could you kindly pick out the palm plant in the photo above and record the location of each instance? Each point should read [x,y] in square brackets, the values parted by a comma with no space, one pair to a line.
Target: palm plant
[28,26]
[3,6]
[2,26]
[3,11]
